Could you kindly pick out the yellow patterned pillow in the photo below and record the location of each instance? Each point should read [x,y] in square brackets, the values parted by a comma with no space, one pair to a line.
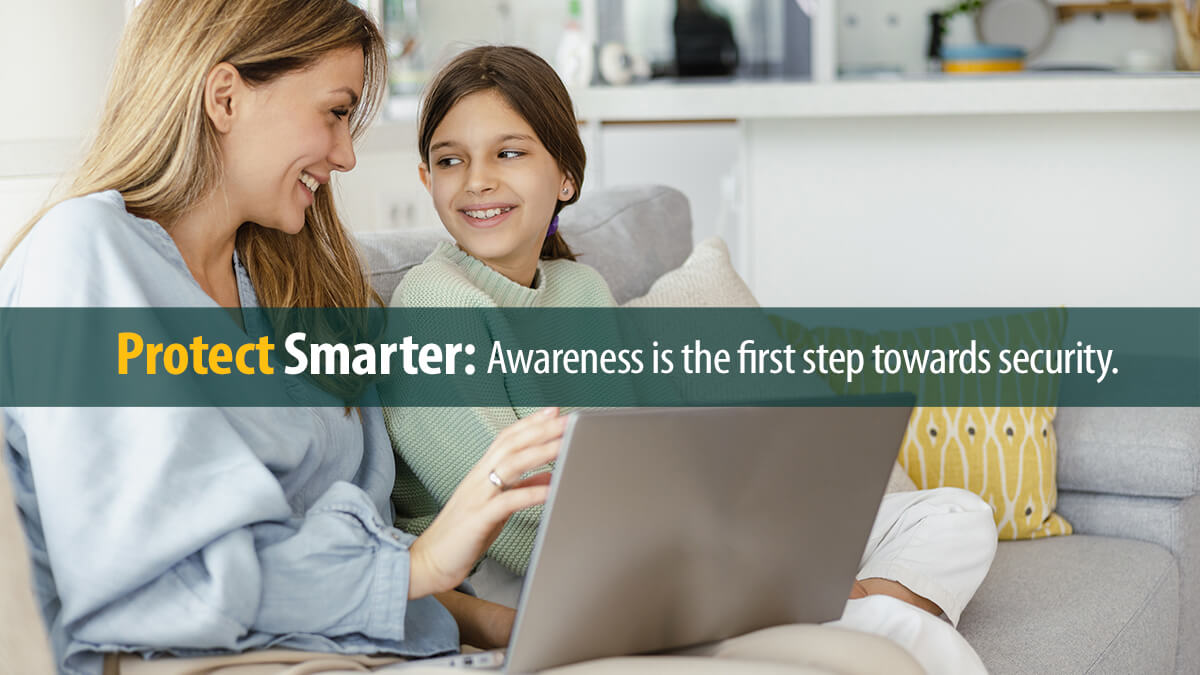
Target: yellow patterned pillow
[1005,455]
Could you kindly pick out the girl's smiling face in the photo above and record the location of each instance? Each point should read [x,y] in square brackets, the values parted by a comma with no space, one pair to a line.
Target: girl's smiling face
[284,138]
[494,184]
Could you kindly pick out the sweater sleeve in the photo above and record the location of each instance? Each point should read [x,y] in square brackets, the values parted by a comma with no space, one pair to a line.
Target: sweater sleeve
[438,446]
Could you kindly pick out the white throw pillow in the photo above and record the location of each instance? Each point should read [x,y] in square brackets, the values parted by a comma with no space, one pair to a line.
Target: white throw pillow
[706,279]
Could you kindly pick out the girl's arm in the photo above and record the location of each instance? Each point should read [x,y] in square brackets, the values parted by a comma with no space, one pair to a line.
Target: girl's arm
[440,445]
[481,624]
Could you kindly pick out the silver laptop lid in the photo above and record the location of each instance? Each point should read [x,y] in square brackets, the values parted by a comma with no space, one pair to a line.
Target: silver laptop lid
[672,527]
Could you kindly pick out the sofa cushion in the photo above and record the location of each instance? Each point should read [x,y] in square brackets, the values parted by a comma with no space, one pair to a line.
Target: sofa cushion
[630,235]
[1006,455]
[706,279]
[1078,604]
[1146,452]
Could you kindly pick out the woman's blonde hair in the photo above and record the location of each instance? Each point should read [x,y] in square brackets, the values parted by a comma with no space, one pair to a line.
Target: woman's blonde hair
[156,145]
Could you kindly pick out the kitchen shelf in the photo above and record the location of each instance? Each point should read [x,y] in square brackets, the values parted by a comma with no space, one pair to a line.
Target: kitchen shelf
[1142,11]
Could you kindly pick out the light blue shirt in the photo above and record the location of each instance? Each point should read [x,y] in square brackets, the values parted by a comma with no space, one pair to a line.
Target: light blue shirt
[196,531]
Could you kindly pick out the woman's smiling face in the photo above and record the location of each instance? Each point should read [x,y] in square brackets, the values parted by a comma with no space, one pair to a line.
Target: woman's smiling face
[291,134]
[494,184]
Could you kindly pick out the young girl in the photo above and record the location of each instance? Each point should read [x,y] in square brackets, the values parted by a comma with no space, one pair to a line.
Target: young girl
[501,156]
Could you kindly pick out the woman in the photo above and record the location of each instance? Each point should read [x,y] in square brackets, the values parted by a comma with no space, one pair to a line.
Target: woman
[206,530]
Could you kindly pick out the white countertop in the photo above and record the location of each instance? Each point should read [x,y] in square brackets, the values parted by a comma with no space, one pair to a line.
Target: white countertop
[1026,93]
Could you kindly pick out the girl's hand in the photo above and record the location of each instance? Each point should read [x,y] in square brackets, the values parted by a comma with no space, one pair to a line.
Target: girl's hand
[472,519]
[481,624]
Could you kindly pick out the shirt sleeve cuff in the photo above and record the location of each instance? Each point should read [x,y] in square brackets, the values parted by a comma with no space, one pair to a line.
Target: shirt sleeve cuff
[390,585]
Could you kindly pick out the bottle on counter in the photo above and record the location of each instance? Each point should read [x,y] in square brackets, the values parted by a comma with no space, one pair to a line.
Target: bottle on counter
[574,60]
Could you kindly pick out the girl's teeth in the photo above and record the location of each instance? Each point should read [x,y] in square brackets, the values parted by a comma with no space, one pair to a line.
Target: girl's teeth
[484,215]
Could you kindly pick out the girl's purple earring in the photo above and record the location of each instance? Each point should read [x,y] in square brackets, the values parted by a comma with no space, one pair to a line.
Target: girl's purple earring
[554,220]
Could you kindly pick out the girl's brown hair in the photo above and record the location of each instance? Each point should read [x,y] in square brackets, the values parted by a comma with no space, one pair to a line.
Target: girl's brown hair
[157,147]
[534,91]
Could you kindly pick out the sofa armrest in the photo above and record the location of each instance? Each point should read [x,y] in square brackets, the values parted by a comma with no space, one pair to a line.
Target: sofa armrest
[1173,524]
[1136,452]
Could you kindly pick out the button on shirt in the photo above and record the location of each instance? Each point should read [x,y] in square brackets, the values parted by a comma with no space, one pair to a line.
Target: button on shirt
[194,531]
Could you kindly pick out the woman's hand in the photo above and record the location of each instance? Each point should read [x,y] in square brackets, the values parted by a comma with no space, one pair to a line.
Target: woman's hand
[481,624]
[472,519]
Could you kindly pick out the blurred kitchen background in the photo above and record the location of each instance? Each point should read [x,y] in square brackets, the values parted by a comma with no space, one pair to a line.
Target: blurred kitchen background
[768,39]
[815,136]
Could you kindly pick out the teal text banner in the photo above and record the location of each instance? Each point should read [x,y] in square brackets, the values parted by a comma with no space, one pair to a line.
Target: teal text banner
[599,357]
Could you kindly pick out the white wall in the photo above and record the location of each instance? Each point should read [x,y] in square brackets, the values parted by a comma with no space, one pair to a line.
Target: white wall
[20,199]
[1041,210]
[56,58]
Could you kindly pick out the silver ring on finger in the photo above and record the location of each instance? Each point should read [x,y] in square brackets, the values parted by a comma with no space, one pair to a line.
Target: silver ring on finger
[494,479]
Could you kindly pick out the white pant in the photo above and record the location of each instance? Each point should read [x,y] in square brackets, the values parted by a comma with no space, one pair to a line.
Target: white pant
[938,543]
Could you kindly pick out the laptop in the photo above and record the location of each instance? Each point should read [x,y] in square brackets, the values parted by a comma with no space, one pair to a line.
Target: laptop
[673,527]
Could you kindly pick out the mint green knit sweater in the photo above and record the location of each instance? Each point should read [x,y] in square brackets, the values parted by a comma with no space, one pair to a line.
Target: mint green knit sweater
[438,446]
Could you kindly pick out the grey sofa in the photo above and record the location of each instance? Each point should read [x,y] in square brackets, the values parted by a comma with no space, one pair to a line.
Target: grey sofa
[1122,595]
